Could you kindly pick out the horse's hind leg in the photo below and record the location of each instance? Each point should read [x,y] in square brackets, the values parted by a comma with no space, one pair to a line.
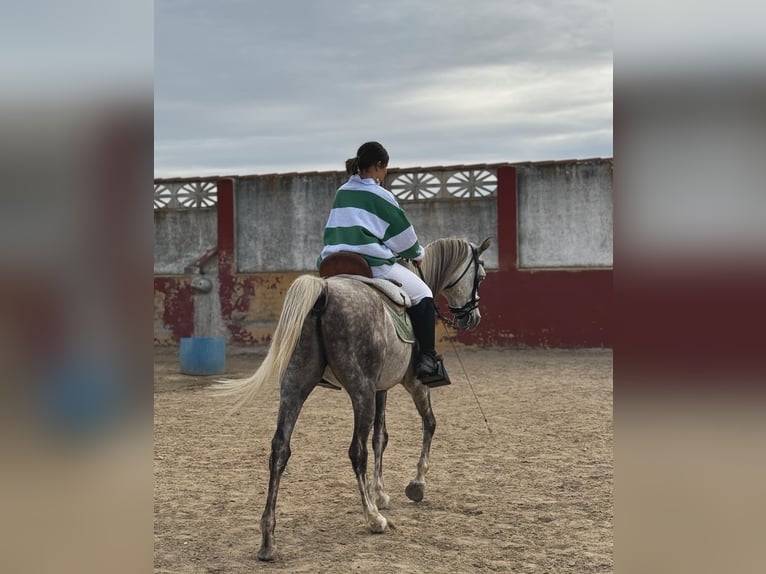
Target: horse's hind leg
[379,442]
[364,412]
[422,399]
[302,375]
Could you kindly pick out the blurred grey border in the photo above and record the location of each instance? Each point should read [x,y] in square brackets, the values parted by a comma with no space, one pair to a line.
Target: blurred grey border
[76,131]
[690,145]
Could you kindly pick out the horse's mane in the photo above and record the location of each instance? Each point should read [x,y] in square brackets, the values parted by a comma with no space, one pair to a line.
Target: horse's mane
[442,260]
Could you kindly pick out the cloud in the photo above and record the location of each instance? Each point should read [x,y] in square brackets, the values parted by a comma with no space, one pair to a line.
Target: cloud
[270,87]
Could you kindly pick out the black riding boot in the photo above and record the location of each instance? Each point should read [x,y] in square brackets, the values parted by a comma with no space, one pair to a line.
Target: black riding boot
[423,320]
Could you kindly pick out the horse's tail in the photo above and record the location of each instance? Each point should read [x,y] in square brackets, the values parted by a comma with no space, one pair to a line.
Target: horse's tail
[299,300]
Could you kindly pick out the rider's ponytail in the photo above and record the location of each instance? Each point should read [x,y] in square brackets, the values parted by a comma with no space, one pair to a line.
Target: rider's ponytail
[352,165]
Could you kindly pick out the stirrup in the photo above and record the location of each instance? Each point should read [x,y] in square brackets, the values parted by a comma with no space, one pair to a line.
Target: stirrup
[438,378]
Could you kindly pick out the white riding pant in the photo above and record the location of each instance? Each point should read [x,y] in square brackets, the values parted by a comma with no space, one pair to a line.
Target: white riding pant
[413,285]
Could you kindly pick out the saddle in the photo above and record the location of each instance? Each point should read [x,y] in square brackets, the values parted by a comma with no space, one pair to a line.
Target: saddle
[344,263]
[354,266]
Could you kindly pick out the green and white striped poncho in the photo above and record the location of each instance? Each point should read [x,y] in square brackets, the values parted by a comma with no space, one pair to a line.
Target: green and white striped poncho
[367,219]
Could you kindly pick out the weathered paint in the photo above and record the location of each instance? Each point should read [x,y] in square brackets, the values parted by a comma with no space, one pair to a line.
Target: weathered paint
[250,303]
[173,309]
[254,305]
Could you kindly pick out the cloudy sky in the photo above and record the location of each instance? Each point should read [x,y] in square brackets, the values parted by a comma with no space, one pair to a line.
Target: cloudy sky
[263,86]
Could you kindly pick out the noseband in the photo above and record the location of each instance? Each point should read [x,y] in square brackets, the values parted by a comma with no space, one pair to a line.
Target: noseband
[462,312]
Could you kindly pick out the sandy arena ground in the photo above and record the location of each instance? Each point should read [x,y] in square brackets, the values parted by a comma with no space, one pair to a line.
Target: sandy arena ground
[535,495]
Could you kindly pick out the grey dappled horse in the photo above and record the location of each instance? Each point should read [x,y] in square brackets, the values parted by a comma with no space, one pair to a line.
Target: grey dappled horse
[339,326]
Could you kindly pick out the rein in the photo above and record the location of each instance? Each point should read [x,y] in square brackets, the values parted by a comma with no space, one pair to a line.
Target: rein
[459,312]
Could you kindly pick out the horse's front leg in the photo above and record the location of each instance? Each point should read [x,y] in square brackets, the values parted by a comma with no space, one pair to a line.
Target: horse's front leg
[364,413]
[422,399]
[379,442]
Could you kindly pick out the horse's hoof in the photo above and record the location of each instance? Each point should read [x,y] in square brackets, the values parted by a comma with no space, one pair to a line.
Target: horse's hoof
[266,554]
[383,501]
[415,491]
[378,524]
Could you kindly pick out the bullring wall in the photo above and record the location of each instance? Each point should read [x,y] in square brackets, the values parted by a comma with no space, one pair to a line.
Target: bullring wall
[549,266]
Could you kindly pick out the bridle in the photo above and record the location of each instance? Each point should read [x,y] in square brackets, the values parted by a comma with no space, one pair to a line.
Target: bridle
[462,312]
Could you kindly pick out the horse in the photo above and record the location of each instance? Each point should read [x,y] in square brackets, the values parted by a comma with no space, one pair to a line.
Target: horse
[339,326]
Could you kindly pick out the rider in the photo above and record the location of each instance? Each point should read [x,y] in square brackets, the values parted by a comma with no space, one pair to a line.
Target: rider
[366,219]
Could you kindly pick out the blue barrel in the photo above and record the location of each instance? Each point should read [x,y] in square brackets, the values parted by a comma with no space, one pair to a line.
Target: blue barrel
[203,355]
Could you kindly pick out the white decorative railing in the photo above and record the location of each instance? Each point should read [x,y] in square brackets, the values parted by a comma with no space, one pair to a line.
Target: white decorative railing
[416,185]
[180,195]
[443,184]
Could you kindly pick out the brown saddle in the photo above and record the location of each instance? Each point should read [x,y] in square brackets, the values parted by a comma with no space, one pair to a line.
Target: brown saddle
[344,263]
[348,263]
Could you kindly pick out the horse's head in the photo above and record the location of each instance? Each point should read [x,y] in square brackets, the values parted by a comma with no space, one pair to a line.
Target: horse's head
[462,288]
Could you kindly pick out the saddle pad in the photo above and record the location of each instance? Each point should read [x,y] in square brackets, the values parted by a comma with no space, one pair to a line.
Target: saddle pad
[402,323]
[393,292]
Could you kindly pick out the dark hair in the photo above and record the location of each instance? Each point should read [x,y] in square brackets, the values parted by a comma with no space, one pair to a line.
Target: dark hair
[367,155]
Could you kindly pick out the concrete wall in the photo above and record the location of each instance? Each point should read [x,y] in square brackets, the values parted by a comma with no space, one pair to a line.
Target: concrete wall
[549,280]
[472,219]
[280,220]
[181,237]
[565,214]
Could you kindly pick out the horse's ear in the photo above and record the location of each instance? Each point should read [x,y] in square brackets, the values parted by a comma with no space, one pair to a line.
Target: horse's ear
[484,245]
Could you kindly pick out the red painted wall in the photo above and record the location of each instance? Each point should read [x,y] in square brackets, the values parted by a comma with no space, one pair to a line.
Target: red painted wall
[539,308]
[173,309]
